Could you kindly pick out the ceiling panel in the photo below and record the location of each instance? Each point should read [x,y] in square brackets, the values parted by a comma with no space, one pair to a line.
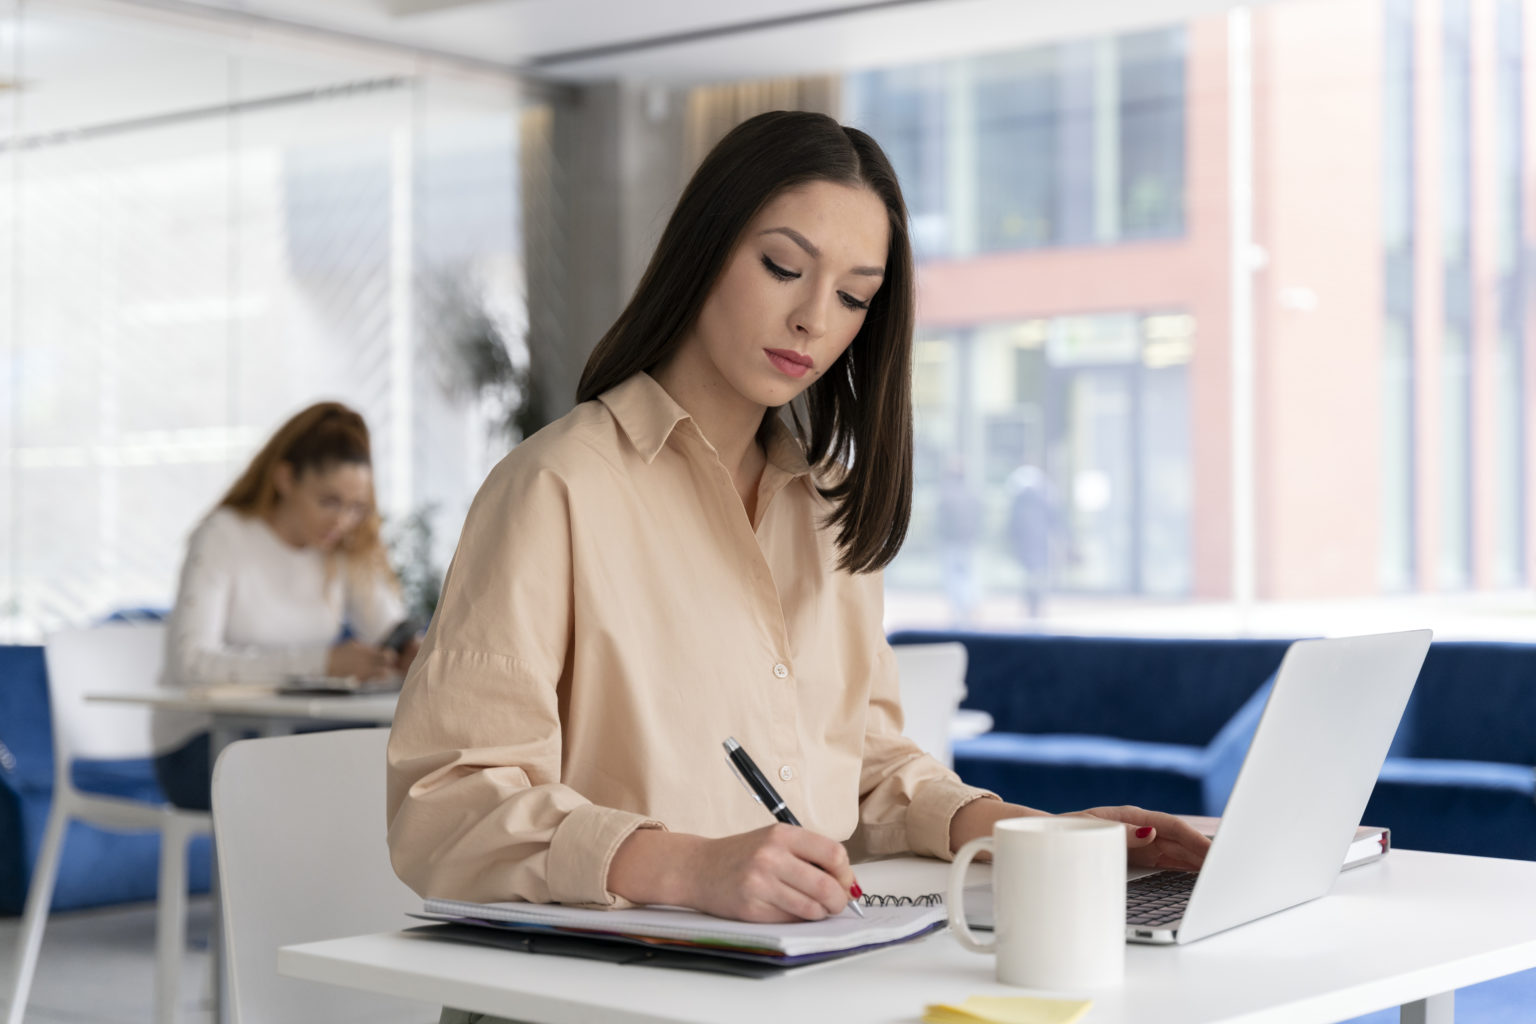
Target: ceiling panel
[709,40]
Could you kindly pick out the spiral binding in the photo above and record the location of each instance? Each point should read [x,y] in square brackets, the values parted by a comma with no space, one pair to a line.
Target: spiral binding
[931,899]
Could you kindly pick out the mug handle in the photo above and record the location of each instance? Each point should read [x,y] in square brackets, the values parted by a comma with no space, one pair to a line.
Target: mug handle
[956,897]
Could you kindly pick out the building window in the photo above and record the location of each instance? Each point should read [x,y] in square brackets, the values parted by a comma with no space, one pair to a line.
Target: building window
[1090,414]
[1398,480]
[1077,143]
[1018,117]
[906,110]
[1151,133]
[1456,338]
[1509,406]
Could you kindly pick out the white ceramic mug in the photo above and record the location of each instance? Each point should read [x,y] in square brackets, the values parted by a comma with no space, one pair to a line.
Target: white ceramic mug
[1058,896]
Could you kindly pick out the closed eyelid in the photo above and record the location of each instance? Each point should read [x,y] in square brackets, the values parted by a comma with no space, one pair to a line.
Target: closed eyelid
[812,251]
[778,270]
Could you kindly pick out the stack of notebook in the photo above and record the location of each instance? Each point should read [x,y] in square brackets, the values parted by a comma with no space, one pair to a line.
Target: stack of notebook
[674,937]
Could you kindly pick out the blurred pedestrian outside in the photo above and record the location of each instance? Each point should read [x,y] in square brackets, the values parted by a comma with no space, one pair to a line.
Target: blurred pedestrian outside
[1033,524]
[959,529]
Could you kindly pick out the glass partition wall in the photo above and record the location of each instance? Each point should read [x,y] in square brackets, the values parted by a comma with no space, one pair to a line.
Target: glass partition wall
[200,233]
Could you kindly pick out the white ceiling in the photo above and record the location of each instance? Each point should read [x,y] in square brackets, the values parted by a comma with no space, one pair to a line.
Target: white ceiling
[87,63]
[710,40]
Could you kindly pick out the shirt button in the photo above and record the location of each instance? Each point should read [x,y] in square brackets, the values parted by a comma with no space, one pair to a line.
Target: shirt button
[781,671]
[787,773]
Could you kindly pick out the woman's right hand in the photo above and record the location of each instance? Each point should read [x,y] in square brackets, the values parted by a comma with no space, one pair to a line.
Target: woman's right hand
[774,874]
[359,660]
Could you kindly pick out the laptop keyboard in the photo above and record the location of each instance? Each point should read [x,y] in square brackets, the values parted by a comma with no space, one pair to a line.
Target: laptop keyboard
[1158,899]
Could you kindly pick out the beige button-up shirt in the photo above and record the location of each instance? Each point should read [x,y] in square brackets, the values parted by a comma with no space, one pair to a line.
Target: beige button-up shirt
[610,617]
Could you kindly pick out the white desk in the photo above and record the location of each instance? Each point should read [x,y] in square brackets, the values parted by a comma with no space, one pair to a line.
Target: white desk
[1406,931]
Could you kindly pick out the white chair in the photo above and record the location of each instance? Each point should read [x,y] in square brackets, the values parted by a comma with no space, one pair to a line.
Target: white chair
[932,687]
[299,822]
[106,659]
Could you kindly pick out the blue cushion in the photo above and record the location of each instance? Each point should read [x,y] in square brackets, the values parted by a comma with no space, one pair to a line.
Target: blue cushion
[97,867]
[1015,748]
[1476,701]
[26,731]
[1423,771]
[1070,773]
[1482,820]
[1157,691]
[134,779]
[1226,753]
[1083,721]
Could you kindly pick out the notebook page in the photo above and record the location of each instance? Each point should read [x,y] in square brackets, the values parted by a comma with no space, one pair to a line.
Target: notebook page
[842,931]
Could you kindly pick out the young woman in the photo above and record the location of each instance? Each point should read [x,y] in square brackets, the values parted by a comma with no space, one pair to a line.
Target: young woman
[288,558]
[680,560]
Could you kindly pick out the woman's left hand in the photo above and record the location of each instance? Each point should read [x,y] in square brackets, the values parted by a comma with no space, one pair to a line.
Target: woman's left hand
[1154,839]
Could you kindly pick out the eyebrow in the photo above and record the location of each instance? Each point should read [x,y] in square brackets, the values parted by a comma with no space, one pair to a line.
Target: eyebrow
[805,243]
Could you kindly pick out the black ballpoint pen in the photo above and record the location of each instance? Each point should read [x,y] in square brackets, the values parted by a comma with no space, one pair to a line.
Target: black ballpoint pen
[763,791]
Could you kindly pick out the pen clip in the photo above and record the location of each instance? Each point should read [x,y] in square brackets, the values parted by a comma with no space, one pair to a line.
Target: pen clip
[742,779]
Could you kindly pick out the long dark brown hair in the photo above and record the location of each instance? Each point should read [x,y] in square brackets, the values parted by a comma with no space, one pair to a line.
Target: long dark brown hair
[324,435]
[858,414]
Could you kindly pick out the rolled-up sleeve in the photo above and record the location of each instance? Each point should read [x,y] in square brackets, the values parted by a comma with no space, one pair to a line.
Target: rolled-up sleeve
[477,810]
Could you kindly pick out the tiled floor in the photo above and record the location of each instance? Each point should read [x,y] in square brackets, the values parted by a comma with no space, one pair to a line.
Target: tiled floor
[98,967]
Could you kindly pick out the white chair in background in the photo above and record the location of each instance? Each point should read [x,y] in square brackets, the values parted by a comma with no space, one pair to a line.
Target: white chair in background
[932,687]
[105,659]
[299,822]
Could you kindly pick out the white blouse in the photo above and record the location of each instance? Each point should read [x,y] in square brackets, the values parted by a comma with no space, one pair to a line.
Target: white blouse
[252,609]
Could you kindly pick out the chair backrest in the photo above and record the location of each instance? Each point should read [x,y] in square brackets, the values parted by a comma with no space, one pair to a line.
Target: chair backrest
[115,658]
[932,687]
[299,825]
[1097,686]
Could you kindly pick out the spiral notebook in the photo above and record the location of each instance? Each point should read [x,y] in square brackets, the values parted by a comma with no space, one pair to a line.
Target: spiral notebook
[680,929]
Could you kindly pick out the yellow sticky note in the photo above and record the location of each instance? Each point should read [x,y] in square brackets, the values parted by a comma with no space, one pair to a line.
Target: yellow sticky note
[1008,1010]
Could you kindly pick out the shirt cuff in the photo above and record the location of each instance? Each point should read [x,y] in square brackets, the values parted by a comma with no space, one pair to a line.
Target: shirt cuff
[581,850]
[933,806]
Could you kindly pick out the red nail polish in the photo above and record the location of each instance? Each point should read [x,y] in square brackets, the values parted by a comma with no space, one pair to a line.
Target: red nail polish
[856,891]
[1144,831]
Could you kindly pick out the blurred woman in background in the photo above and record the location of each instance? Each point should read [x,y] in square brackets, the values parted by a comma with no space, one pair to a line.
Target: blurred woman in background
[286,564]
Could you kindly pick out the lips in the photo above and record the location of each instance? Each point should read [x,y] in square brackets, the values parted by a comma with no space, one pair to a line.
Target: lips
[789,362]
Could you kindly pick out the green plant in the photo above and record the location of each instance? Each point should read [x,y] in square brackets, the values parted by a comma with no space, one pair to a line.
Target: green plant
[481,357]
[410,552]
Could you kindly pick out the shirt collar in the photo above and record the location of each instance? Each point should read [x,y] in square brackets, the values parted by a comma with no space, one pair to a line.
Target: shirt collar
[645,412]
[648,416]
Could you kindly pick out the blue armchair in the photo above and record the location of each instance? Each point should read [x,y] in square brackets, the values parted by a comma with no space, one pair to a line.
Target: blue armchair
[1084,721]
[98,867]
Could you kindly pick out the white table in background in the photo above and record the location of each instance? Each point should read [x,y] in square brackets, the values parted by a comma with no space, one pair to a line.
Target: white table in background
[261,712]
[265,714]
[1407,931]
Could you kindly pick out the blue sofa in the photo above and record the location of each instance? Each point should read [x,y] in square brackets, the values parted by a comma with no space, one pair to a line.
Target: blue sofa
[98,867]
[1085,721]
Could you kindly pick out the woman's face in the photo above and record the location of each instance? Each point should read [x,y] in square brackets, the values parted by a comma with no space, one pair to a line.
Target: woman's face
[792,294]
[320,506]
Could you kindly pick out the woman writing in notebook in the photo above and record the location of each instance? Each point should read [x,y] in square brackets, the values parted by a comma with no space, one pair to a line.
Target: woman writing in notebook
[286,559]
[681,559]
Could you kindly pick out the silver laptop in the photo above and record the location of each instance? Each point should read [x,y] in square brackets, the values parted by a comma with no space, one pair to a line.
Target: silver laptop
[1298,799]
[1299,796]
